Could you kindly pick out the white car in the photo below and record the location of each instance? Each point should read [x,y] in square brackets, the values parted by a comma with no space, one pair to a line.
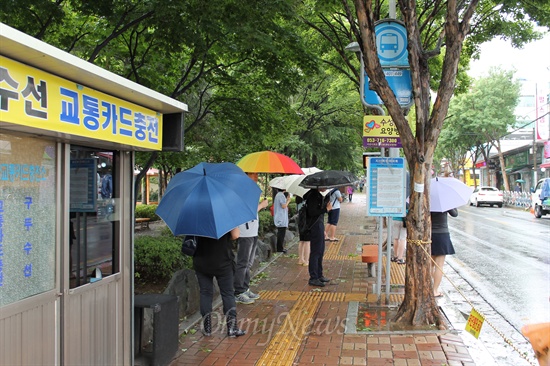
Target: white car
[485,195]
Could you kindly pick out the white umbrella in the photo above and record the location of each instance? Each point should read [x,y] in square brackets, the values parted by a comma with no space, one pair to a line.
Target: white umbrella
[290,183]
[298,190]
[294,186]
[285,182]
[447,193]
[311,170]
[280,182]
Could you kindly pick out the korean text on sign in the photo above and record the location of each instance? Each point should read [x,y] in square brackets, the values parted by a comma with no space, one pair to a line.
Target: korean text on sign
[31,97]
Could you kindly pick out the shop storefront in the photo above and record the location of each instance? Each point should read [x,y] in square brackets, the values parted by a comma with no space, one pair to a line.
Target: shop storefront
[68,133]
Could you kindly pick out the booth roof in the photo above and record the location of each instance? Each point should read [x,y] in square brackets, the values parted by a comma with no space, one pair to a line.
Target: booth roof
[31,51]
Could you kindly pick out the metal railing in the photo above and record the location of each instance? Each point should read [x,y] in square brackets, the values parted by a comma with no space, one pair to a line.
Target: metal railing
[517,199]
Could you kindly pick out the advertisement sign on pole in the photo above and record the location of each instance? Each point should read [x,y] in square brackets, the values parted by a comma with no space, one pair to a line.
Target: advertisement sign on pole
[380,131]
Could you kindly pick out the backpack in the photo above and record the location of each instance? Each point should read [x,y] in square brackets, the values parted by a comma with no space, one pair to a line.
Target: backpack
[189,245]
[302,216]
[331,193]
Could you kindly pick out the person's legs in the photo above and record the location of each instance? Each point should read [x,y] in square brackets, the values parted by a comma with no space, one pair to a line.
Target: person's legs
[317,245]
[315,255]
[400,250]
[399,244]
[244,247]
[334,216]
[320,260]
[281,232]
[307,250]
[251,258]
[301,257]
[206,289]
[327,230]
[437,273]
[225,283]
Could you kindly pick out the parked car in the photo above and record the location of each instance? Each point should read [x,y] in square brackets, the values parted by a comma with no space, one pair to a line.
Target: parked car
[540,199]
[485,195]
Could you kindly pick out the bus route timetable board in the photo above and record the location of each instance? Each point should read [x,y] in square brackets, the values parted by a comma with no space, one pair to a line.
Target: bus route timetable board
[386,187]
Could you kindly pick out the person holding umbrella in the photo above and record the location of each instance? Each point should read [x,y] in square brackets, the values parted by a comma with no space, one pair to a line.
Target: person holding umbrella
[317,206]
[446,194]
[280,217]
[441,245]
[209,202]
[246,252]
[215,258]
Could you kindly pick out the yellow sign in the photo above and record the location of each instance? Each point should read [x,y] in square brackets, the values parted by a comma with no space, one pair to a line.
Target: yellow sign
[31,97]
[474,324]
[380,131]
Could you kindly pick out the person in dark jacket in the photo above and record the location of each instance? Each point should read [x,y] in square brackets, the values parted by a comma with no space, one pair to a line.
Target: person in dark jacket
[441,244]
[215,258]
[317,206]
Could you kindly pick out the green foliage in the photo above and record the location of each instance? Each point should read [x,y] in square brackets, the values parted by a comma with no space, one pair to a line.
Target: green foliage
[156,258]
[266,223]
[147,211]
[479,117]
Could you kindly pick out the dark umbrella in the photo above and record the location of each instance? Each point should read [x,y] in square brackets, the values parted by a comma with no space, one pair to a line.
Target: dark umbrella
[209,200]
[329,179]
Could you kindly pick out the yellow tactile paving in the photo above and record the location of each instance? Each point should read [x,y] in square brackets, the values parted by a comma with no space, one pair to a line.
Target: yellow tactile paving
[285,344]
[280,295]
[397,273]
[323,295]
[355,296]
[342,257]
[332,248]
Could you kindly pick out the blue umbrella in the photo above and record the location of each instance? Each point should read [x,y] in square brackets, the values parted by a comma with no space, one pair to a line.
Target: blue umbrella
[209,200]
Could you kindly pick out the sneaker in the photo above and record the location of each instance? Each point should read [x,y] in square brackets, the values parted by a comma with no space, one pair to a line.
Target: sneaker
[251,295]
[243,299]
[232,333]
[316,282]
[324,279]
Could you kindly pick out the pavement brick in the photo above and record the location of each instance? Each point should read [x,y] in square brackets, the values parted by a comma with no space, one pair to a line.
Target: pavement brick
[279,332]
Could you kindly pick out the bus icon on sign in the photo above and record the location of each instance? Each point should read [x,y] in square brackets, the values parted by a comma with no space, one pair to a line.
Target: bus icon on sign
[388,41]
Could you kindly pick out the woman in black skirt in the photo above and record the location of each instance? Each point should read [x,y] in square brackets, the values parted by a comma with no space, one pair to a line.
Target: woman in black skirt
[441,245]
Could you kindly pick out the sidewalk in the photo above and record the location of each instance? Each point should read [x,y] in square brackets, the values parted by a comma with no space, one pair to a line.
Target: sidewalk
[297,324]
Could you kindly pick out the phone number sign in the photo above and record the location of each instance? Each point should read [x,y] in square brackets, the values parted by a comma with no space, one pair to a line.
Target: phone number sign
[380,131]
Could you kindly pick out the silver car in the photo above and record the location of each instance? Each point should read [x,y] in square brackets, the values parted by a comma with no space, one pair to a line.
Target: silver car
[485,195]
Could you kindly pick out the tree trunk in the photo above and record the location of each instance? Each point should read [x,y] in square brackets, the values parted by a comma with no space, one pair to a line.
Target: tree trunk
[419,307]
[502,168]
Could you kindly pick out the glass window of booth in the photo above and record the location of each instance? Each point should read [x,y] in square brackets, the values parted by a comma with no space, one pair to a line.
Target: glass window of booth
[94,215]
[27,217]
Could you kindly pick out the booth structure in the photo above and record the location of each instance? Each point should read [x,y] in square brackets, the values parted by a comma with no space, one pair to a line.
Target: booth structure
[68,133]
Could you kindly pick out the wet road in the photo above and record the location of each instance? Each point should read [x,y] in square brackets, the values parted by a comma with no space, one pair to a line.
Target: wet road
[505,255]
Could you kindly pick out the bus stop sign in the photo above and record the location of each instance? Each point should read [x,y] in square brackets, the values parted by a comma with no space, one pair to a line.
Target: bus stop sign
[391,43]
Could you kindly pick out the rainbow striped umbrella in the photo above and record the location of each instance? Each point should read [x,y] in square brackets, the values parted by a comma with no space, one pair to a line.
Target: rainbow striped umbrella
[268,162]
